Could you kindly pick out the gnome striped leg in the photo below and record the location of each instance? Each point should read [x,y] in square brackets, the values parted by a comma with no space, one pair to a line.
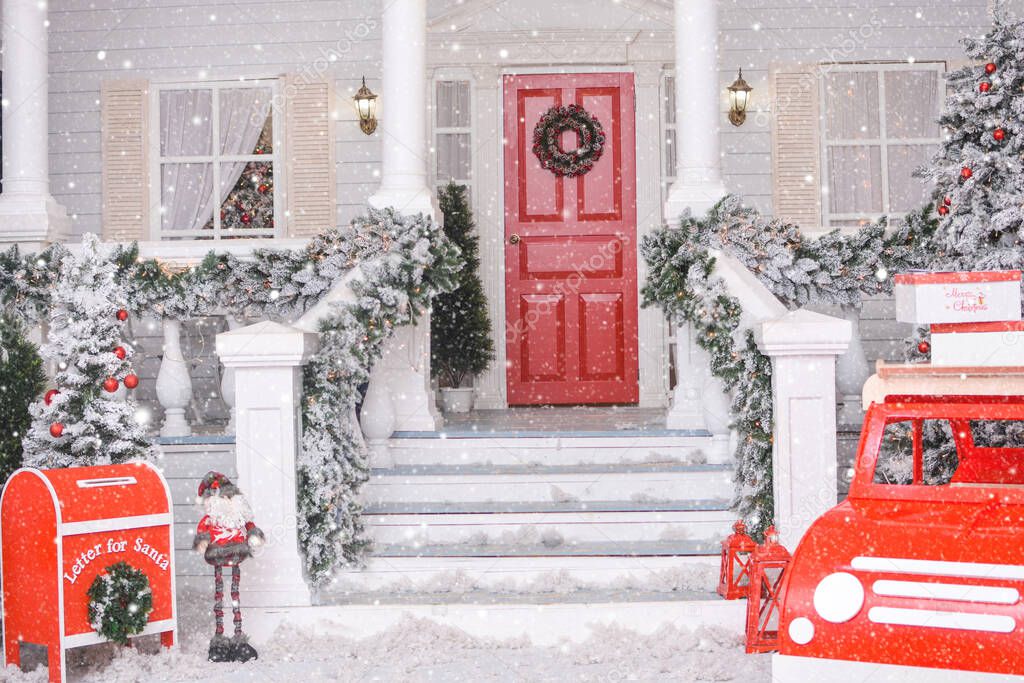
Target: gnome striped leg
[236,605]
[218,599]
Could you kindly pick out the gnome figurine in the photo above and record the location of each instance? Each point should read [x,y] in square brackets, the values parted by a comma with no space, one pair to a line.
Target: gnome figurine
[226,536]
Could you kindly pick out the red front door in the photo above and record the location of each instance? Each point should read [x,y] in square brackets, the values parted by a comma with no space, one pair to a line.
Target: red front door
[570,249]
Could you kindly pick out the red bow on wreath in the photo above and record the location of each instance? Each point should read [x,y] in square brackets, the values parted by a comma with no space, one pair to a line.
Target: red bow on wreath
[547,140]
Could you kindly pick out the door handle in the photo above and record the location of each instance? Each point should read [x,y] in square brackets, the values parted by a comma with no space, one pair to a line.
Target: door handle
[513,239]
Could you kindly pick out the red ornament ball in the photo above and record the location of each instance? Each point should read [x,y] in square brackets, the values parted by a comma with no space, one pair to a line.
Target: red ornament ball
[263,188]
[947,201]
[999,134]
[56,429]
[943,209]
[990,68]
[120,352]
[48,396]
[924,347]
[110,385]
[984,86]
[131,381]
[246,218]
[122,314]
[966,172]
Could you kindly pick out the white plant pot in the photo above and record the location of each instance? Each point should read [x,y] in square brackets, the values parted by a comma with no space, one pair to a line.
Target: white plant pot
[457,400]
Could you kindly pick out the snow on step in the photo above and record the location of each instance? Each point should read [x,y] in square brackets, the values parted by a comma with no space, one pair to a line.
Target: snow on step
[443,484]
[428,576]
[548,450]
[549,526]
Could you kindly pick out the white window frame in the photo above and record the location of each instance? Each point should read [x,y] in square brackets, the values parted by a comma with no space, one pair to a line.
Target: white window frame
[882,141]
[470,130]
[276,157]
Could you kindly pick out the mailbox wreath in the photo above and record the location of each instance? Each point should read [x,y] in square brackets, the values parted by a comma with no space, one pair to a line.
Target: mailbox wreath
[120,601]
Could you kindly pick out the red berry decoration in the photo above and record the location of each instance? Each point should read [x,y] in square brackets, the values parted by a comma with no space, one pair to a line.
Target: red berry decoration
[122,314]
[120,352]
[943,209]
[999,134]
[947,201]
[924,347]
[131,381]
[966,172]
[110,385]
[56,429]
[48,396]
[990,68]
[984,86]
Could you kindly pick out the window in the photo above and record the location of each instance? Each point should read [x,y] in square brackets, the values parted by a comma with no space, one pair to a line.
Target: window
[668,129]
[453,151]
[215,151]
[878,126]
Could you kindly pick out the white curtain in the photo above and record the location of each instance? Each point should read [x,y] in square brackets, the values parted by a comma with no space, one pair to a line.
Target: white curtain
[453,149]
[243,114]
[186,130]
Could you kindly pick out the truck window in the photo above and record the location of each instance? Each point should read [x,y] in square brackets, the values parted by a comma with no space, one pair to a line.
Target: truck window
[896,453]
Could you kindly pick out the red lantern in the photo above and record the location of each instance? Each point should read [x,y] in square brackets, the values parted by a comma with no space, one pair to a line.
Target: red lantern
[48,396]
[131,381]
[110,385]
[734,577]
[764,600]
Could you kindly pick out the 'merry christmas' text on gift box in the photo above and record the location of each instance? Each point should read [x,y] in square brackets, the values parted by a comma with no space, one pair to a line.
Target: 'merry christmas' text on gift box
[958,297]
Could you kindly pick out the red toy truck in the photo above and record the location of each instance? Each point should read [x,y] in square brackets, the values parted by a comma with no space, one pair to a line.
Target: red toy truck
[919,574]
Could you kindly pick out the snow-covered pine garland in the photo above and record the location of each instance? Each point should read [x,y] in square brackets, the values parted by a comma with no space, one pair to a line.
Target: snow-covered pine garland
[836,268]
[333,464]
[406,261]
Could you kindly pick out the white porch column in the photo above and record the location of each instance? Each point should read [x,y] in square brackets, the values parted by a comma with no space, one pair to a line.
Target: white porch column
[29,215]
[267,359]
[698,182]
[403,109]
[803,347]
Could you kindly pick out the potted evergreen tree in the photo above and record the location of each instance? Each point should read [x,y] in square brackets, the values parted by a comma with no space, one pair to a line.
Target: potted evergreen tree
[461,345]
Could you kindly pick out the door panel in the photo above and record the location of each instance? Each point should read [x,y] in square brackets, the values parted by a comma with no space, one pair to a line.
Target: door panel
[570,249]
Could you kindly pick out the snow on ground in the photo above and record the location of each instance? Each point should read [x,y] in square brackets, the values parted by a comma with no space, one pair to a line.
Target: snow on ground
[421,650]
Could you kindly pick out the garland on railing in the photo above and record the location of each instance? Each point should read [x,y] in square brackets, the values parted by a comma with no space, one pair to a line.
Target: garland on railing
[406,260]
[835,268]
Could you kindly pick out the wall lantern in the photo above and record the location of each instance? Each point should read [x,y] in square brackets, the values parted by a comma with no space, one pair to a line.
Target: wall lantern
[366,104]
[739,97]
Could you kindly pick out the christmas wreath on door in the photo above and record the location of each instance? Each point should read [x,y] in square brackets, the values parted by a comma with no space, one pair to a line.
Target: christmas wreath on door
[547,140]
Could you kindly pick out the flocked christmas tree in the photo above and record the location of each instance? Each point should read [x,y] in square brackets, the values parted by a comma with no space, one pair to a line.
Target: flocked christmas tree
[459,325]
[979,170]
[81,421]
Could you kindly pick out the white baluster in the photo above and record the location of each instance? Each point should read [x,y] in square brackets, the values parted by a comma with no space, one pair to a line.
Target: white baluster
[173,383]
[852,370]
[686,411]
[715,404]
[377,418]
[227,382]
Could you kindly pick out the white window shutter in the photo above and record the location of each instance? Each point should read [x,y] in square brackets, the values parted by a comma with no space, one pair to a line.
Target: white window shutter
[124,116]
[309,148]
[796,148]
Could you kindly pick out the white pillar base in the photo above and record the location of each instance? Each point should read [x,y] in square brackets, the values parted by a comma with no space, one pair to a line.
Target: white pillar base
[409,201]
[698,198]
[32,221]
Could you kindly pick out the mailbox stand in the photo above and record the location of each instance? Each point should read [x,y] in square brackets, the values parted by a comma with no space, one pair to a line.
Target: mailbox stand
[59,530]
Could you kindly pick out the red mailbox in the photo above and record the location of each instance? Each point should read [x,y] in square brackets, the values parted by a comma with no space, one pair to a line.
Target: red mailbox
[61,528]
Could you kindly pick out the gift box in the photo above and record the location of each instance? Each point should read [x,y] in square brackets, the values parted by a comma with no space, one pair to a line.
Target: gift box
[995,344]
[958,297]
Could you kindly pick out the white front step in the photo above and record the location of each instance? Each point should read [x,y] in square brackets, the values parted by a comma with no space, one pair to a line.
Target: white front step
[445,484]
[426,576]
[547,528]
[549,450]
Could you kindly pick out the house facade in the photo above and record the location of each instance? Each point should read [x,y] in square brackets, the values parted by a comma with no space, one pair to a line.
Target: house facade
[841,112]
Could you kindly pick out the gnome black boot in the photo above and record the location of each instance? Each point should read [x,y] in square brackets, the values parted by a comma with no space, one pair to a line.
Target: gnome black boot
[221,649]
[241,650]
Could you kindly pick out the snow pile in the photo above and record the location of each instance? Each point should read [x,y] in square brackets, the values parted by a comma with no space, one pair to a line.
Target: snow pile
[422,650]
